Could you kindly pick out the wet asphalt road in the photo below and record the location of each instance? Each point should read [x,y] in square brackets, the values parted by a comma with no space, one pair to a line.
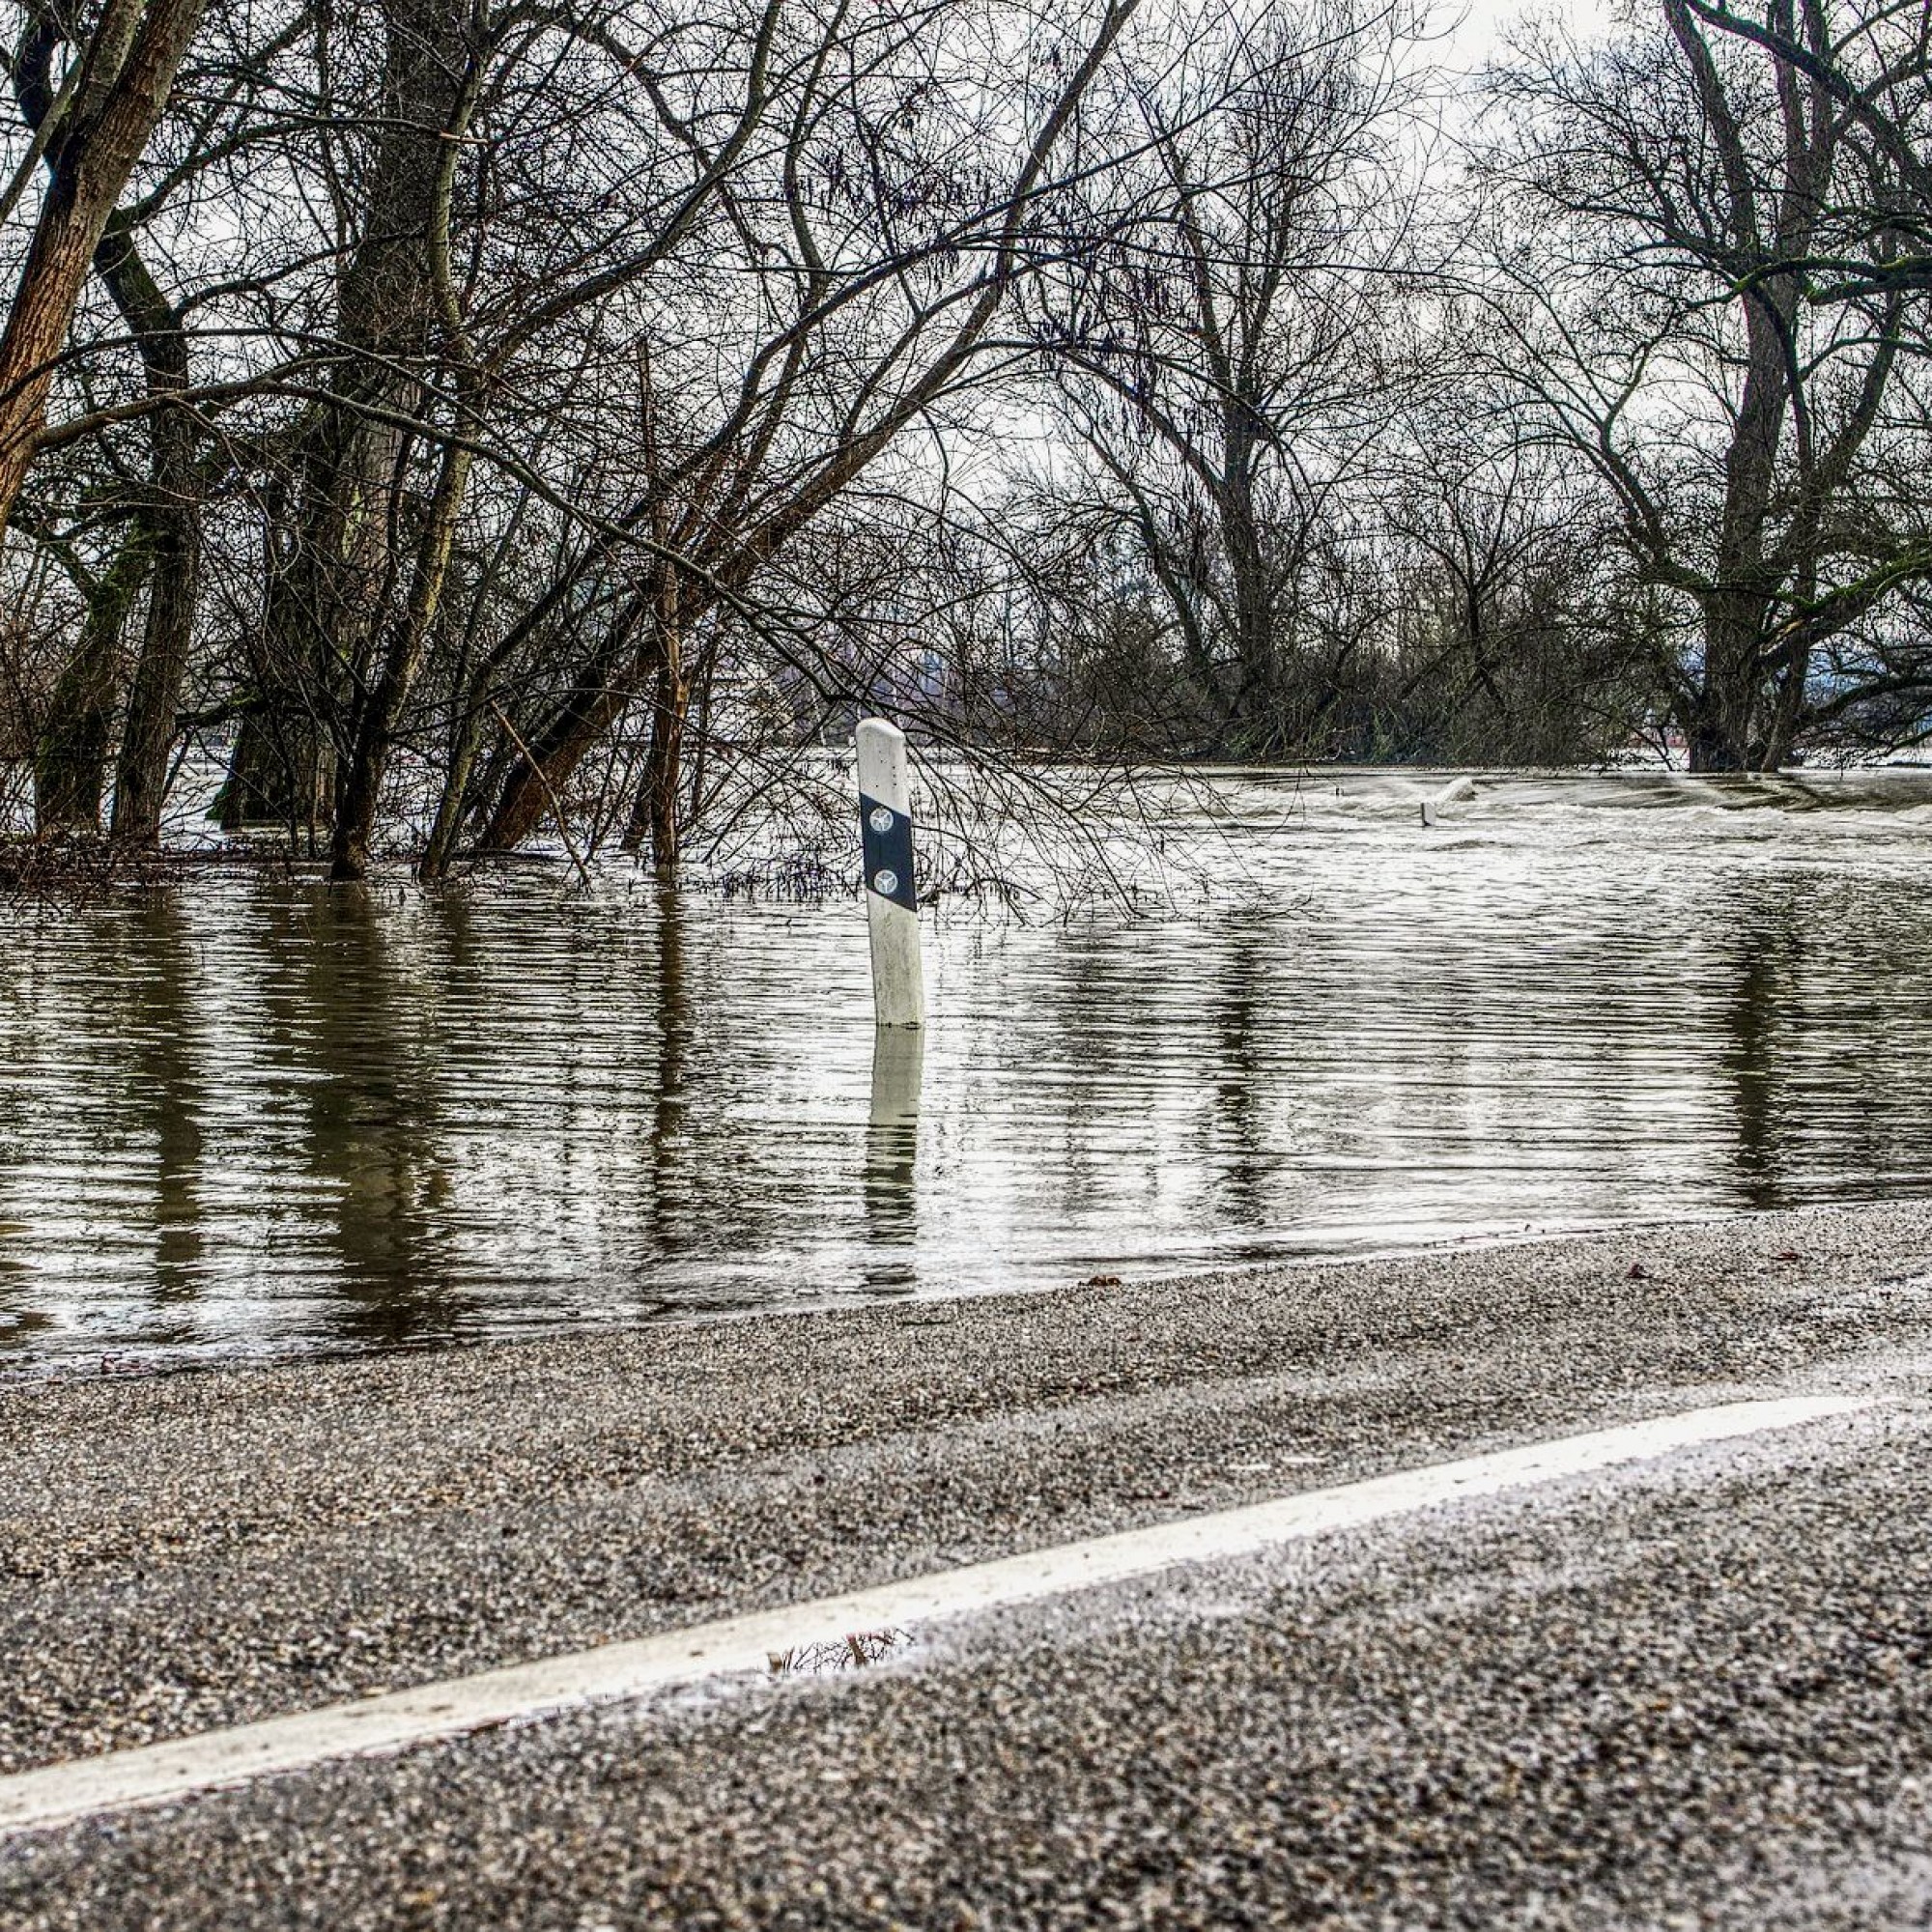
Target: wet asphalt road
[1693,1694]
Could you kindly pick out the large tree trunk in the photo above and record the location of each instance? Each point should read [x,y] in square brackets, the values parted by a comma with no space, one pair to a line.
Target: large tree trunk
[1252,724]
[1737,687]
[659,798]
[174,518]
[154,695]
[330,598]
[71,759]
[1725,730]
[379,716]
[327,594]
[70,754]
[126,70]
[368,759]
[161,551]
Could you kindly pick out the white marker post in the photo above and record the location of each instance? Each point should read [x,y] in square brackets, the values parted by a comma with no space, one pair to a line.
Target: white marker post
[891,905]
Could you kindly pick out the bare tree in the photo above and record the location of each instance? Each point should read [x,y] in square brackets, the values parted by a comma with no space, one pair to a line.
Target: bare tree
[1221,356]
[1874,62]
[90,133]
[883,241]
[1672,199]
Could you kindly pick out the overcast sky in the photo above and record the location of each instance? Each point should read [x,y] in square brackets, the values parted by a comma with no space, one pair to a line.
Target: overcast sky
[1483,22]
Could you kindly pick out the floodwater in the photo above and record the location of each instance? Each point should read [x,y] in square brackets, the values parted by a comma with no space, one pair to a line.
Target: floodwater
[253,1114]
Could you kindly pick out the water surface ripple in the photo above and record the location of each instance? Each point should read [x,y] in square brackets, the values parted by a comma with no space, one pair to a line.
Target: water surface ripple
[257,1114]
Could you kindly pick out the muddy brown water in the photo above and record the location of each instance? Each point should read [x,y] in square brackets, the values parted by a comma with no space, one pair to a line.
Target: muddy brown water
[250,1114]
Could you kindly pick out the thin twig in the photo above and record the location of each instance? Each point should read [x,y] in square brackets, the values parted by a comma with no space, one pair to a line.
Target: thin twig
[550,792]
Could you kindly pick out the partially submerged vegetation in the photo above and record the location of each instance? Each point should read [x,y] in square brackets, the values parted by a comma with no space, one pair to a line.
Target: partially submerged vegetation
[463,420]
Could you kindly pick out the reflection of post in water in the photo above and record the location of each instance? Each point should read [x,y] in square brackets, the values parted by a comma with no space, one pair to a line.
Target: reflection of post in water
[892,1149]
[1243,1182]
[673,1017]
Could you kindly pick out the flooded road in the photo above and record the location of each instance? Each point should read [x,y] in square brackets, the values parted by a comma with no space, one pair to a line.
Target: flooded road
[252,1113]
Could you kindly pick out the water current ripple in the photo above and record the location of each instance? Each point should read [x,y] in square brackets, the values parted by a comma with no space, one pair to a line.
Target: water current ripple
[250,1114]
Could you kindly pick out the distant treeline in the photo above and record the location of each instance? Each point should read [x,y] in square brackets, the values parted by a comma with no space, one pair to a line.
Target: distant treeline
[460,416]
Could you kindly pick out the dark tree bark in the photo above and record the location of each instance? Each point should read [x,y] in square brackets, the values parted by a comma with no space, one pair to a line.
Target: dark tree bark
[173,517]
[332,585]
[378,711]
[160,551]
[70,756]
[119,92]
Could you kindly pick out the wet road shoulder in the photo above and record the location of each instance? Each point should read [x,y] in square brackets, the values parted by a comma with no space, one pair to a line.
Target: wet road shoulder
[193,1552]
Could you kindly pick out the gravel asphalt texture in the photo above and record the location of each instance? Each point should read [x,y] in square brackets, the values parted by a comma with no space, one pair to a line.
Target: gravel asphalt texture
[1694,1693]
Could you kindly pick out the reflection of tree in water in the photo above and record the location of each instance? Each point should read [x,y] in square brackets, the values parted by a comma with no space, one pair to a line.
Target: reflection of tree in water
[361,1032]
[1244,1181]
[166,1093]
[19,1320]
[19,1325]
[1763,971]
[131,1117]
[1114,1030]
[670,1129]
[1825,1032]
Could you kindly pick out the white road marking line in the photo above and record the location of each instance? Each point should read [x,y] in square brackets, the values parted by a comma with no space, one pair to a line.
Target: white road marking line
[60,1794]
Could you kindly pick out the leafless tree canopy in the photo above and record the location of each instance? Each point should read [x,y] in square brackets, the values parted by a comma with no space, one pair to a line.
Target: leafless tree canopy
[428,422]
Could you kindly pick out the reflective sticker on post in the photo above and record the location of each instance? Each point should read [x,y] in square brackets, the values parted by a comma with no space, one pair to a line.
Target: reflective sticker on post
[887,841]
